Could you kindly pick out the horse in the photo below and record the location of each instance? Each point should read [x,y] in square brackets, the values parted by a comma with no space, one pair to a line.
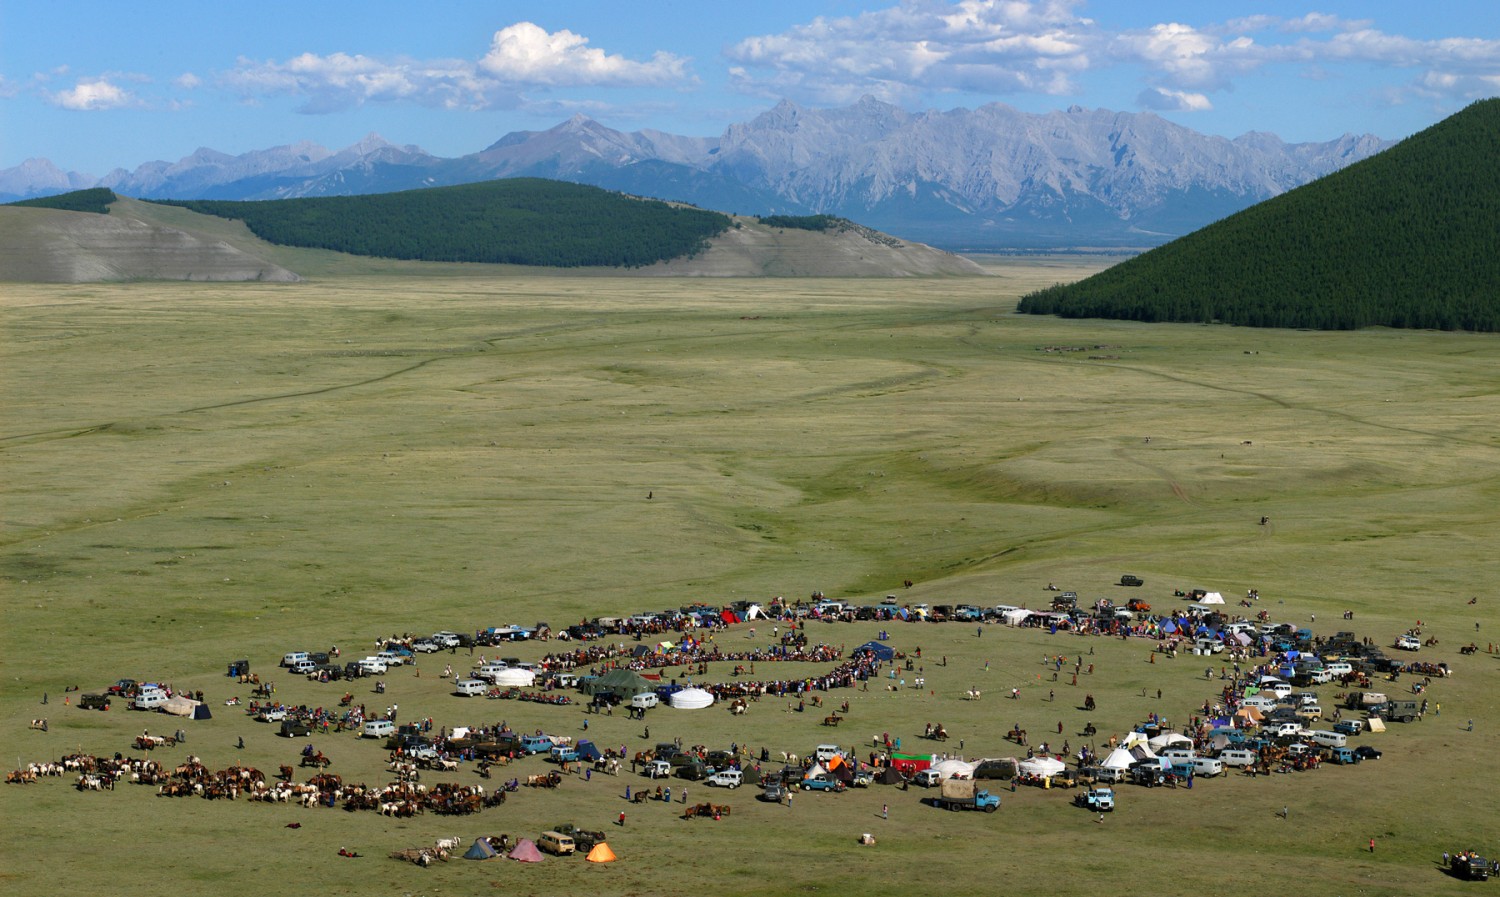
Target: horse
[973,694]
[832,720]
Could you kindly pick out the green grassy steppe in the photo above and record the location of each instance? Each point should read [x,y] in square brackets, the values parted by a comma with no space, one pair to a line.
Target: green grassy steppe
[197,473]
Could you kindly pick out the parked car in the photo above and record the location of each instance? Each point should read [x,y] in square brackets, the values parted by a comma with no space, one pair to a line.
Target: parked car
[1365,752]
[425,645]
[94,702]
[726,778]
[556,843]
[1408,643]
[927,778]
[1101,800]
[1131,580]
[823,782]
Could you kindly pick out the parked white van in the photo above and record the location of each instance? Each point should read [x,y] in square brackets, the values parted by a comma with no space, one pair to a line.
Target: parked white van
[1239,757]
[378,728]
[1339,668]
[150,699]
[1260,702]
[391,658]
[471,688]
[491,670]
[1178,755]
[372,666]
[645,700]
[1207,766]
[293,657]
[1329,739]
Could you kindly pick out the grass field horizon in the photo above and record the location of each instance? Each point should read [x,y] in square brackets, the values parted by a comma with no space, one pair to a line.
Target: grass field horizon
[202,472]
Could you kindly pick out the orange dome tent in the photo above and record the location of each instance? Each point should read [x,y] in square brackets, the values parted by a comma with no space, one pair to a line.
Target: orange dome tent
[601,854]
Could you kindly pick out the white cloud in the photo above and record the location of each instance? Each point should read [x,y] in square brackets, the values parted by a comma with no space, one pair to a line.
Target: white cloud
[520,56]
[187,81]
[524,53]
[982,45]
[92,95]
[1163,100]
[994,47]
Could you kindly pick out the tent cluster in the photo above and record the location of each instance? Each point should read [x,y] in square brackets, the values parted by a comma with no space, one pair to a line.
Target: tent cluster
[526,851]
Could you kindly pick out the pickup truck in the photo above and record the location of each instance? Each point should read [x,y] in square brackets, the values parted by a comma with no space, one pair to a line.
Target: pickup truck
[961,794]
[823,782]
[1101,800]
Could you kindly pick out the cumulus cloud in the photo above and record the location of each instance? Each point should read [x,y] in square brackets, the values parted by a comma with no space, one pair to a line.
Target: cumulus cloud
[1043,46]
[92,95]
[520,56]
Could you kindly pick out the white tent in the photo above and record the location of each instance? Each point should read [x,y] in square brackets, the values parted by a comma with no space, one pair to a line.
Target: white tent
[955,769]
[1142,751]
[691,699]
[1042,766]
[1014,617]
[753,611]
[514,677]
[1212,598]
[1119,758]
[1132,739]
[817,769]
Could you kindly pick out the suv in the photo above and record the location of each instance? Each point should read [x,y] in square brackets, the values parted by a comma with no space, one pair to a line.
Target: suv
[1408,643]
[726,778]
[1131,580]
[94,702]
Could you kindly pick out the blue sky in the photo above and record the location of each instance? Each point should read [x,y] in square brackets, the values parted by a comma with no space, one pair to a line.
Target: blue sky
[94,85]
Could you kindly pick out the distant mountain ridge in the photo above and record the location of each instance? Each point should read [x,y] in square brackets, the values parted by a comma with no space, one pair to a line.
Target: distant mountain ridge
[984,178]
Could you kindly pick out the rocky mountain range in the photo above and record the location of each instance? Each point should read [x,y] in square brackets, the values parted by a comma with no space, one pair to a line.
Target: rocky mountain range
[987,178]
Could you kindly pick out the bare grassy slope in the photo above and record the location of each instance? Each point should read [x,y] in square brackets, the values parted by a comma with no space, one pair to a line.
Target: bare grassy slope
[49,246]
[754,250]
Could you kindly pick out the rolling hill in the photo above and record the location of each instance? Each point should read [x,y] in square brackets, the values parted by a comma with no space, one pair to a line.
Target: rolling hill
[1407,238]
[522,225]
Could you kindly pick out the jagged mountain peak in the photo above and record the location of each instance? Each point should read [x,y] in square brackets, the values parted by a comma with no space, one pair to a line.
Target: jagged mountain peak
[1068,177]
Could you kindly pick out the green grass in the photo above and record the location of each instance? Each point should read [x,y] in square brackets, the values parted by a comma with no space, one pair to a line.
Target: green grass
[197,473]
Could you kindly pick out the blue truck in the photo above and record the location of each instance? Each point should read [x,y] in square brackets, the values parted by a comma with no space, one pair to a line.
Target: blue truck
[962,794]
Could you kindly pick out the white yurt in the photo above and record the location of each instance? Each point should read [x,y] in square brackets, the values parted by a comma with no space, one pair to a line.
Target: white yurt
[955,769]
[1042,766]
[514,678]
[1119,758]
[691,699]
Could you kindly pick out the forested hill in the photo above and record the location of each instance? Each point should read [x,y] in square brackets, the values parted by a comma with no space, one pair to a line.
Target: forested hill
[1407,238]
[522,221]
